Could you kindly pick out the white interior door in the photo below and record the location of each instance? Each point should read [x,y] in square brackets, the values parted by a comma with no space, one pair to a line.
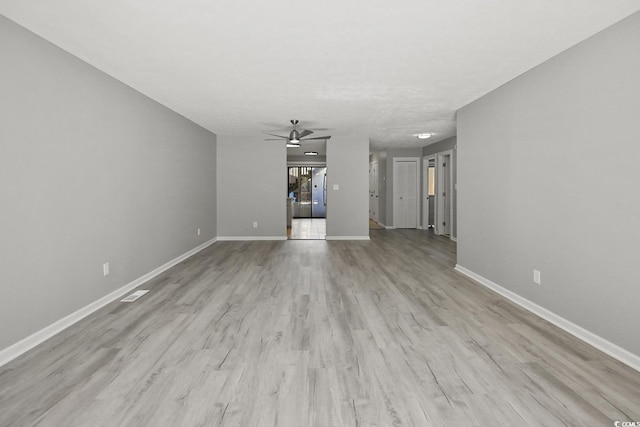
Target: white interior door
[405,190]
[428,191]
[373,191]
[370,190]
[376,185]
[444,192]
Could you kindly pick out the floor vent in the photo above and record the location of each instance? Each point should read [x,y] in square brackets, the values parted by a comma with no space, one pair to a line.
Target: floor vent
[134,296]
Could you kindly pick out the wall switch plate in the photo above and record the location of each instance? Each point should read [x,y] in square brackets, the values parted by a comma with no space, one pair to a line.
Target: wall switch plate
[105,269]
[336,187]
[198,231]
[255,224]
[536,277]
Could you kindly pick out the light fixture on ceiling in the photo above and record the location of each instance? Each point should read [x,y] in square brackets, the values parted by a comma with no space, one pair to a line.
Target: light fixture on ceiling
[293,141]
[295,138]
[310,153]
[424,135]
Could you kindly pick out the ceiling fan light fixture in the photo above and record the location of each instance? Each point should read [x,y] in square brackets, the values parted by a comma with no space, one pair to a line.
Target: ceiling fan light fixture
[310,153]
[295,138]
[424,135]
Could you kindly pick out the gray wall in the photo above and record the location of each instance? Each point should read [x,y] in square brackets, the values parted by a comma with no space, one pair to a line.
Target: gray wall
[348,167]
[306,160]
[252,186]
[391,154]
[90,172]
[548,179]
[438,147]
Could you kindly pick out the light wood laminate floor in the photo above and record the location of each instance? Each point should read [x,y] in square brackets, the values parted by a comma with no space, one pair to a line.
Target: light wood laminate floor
[317,333]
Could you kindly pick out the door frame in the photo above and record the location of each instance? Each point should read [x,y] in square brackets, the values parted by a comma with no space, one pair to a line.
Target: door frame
[425,190]
[396,160]
[439,217]
[373,192]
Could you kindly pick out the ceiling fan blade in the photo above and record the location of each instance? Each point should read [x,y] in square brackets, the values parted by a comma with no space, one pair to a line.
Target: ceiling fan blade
[317,137]
[272,139]
[305,133]
[279,136]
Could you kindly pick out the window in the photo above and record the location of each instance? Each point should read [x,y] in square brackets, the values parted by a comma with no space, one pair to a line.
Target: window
[431,191]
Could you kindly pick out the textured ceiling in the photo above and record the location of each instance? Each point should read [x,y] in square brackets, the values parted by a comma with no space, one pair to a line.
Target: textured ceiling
[381,69]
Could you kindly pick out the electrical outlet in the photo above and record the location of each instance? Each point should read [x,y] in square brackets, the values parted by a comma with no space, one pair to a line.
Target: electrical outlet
[536,277]
[198,231]
[105,269]
[255,224]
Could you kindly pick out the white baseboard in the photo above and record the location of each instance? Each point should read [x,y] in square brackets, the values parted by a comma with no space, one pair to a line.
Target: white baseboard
[613,350]
[241,238]
[455,239]
[347,238]
[26,344]
[389,227]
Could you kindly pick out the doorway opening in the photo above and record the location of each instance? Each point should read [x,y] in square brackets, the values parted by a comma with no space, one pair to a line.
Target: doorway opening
[373,192]
[307,202]
[444,187]
[429,192]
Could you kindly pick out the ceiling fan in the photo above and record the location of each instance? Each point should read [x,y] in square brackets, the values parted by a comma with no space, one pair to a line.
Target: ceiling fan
[295,138]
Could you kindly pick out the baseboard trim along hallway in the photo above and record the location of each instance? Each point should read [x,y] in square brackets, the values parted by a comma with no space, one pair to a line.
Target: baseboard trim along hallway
[590,338]
[243,238]
[26,344]
[347,238]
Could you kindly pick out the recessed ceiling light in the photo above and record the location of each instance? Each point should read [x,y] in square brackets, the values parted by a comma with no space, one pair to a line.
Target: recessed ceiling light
[310,153]
[424,135]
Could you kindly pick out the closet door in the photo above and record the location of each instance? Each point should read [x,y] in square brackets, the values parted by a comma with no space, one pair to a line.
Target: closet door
[405,203]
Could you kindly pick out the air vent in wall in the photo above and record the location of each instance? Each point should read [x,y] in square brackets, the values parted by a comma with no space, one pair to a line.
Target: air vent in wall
[134,296]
